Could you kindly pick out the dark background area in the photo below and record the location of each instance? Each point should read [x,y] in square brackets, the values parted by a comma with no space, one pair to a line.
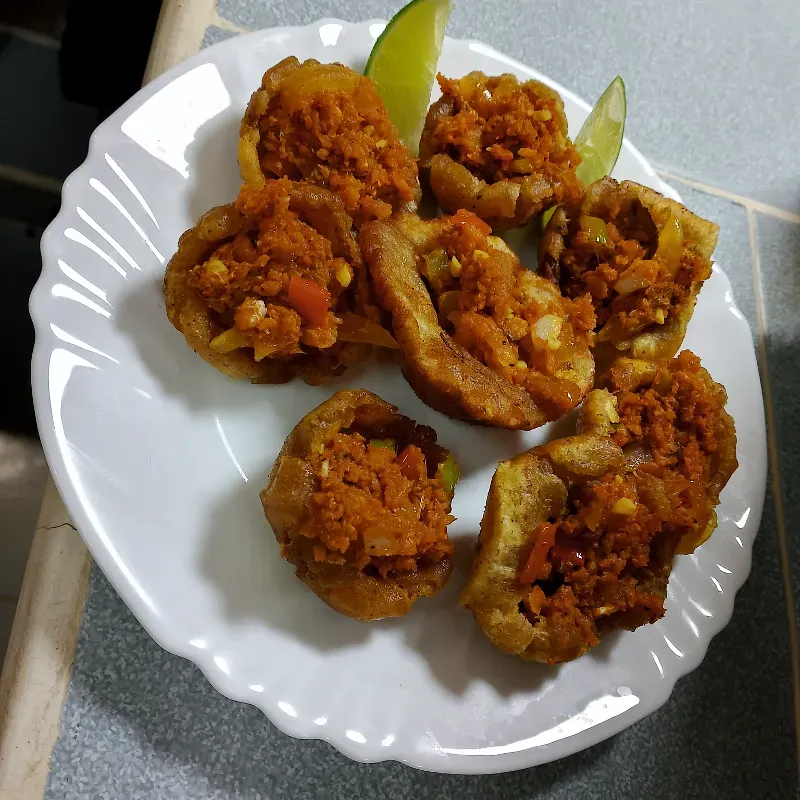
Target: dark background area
[64,66]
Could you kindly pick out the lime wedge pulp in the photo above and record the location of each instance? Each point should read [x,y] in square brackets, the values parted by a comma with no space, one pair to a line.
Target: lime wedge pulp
[403,64]
[600,139]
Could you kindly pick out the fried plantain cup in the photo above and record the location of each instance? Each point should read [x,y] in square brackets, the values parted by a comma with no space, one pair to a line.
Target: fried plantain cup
[359,501]
[498,148]
[482,338]
[273,286]
[326,124]
[579,535]
[642,259]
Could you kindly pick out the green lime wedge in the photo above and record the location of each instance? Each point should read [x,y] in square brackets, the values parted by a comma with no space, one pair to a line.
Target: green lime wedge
[403,64]
[600,139]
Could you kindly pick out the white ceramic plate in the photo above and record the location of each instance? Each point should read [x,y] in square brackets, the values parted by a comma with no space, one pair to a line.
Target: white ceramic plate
[160,459]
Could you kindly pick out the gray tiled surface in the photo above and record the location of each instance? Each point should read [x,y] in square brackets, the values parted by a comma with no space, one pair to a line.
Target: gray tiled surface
[713,88]
[139,723]
[779,250]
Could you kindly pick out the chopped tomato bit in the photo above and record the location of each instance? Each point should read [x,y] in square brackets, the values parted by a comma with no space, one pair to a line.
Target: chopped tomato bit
[464,217]
[544,538]
[411,462]
[309,299]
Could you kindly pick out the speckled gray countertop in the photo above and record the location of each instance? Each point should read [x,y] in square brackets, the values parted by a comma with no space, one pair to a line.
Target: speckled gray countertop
[714,102]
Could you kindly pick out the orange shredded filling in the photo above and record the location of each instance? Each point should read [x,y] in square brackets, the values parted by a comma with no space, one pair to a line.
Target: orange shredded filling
[494,309]
[600,571]
[246,279]
[340,138]
[502,129]
[375,510]
[599,269]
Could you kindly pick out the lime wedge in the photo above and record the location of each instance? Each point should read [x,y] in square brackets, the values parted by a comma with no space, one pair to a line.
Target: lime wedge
[600,139]
[403,64]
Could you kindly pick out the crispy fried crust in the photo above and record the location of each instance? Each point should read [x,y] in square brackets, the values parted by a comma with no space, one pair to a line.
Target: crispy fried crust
[531,489]
[190,314]
[657,342]
[512,201]
[288,494]
[442,373]
[374,173]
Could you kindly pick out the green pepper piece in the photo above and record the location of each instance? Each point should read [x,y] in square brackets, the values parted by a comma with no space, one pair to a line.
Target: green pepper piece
[387,444]
[437,265]
[594,228]
[448,474]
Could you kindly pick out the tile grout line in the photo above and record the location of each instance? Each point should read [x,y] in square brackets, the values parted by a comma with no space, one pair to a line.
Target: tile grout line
[221,22]
[747,202]
[775,470]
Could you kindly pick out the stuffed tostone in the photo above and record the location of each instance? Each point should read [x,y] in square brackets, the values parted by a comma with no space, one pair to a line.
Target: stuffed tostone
[359,501]
[579,535]
[641,258]
[482,338]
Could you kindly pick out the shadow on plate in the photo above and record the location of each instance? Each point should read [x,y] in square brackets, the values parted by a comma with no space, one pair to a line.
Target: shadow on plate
[244,565]
[456,650]
[214,179]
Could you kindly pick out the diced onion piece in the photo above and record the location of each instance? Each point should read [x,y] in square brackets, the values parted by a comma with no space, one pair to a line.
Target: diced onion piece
[630,284]
[343,275]
[547,329]
[660,316]
[594,228]
[670,245]
[231,340]
[624,506]
[455,267]
[378,542]
[215,266]
[263,350]
[355,328]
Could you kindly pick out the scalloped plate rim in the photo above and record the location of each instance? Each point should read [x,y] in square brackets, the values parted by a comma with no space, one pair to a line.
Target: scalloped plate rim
[168,640]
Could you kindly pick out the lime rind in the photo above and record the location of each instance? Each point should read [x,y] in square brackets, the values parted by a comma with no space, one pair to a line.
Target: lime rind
[599,140]
[403,64]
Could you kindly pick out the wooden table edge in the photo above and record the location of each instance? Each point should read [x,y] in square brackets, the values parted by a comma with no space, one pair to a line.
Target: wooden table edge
[38,661]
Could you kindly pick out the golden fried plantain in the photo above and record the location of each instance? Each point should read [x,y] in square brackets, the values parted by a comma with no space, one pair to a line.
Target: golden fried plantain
[503,348]
[359,501]
[642,259]
[326,124]
[498,148]
[274,286]
[578,536]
